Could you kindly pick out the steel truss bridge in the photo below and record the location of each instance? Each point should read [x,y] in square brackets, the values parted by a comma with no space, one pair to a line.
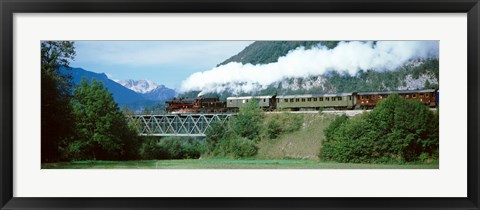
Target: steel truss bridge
[176,124]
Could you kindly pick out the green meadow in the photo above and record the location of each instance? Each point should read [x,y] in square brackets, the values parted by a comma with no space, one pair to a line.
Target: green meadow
[230,164]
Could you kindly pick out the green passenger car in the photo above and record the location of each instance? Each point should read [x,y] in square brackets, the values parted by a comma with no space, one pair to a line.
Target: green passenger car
[264,102]
[316,101]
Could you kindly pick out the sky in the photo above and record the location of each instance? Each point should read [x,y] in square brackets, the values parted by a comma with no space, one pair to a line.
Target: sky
[191,65]
[153,60]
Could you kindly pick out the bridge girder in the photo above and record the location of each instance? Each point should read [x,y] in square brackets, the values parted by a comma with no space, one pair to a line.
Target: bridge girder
[176,124]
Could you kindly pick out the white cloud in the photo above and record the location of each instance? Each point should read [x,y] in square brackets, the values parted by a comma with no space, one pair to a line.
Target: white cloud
[347,56]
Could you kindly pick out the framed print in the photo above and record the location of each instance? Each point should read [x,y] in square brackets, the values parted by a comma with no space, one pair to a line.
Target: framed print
[239,105]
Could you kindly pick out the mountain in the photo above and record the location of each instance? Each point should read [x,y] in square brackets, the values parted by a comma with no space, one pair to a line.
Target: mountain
[121,94]
[263,52]
[149,90]
[418,74]
[160,93]
[139,86]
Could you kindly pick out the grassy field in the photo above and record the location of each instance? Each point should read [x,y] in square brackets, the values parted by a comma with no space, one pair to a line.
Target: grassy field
[228,164]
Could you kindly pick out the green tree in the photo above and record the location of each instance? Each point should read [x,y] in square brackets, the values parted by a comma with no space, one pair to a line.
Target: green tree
[236,139]
[337,122]
[102,130]
[249,121]
[56,112]
[216,133]
[397,130]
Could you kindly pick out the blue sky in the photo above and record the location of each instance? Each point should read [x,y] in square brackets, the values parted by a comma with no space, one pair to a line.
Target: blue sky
[163,62]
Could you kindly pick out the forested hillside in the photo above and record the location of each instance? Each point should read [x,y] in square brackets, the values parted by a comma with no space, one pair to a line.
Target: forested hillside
[263,52]
[416,74]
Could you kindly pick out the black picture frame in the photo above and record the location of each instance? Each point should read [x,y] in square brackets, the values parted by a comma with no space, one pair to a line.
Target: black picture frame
[9,7]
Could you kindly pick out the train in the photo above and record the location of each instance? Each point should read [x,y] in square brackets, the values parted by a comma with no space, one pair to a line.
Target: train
[303,102]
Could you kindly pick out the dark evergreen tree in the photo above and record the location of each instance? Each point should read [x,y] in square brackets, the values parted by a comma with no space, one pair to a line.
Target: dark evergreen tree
[56,115]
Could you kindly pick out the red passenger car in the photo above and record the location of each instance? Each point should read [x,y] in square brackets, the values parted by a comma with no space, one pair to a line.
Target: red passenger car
[370,99]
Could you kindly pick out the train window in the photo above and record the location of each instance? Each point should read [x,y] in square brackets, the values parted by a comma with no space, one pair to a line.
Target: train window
[303,100]
[314,99]
[340,98]
[414,95]
[373,97]
[321,98]
[231,101]
[291,100]
[285,100]
[263,100]
[361,97]
[349,98]
[366,97]
[309,99]
[327,98]
[297,100]
[334,98]
[247,100]
[427,95]
[278,100]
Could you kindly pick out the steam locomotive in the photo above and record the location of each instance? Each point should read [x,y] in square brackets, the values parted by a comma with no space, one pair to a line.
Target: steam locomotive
[195,105]
[339,101]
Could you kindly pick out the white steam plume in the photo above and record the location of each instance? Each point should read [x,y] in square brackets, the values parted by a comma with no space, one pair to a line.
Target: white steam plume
[347,56]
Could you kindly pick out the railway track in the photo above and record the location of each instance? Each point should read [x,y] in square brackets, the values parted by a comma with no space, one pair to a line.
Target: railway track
[335,112]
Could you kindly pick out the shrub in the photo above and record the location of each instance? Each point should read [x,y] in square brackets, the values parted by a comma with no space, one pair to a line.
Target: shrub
[172,148]
[337,122]
[283,123]
[291,122]
[236,138]
[248,122]
[397,130]
[149,150]
[236,147]
[352,141]
[273,128]
[215,133]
